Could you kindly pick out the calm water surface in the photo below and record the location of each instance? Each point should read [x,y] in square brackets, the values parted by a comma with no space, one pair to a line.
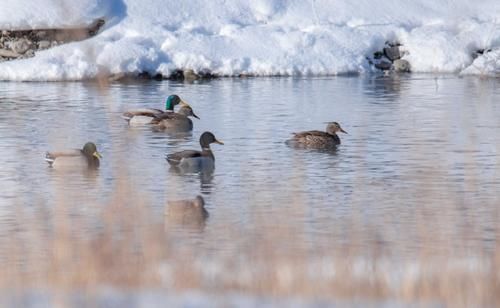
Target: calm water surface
[422,151]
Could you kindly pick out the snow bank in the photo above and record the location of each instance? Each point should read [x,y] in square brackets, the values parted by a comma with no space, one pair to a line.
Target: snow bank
[260,37]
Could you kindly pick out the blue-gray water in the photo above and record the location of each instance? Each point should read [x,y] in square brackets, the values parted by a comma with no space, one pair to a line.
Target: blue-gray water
[408,137]
[421,151]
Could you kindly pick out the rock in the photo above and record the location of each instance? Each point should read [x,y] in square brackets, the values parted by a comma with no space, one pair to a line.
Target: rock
[28,54]
[383,65]
[392,53]
[41,34]
[44,44]
[95,26]
[20,46]
[401,66]
[377,55]
[177,75]
[189,74]
[480,52]
[8,54]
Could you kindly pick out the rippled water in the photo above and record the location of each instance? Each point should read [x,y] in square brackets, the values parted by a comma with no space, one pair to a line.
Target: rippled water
[421,151]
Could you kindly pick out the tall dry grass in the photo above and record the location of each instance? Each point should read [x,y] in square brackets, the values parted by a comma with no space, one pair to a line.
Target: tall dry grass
[133,249]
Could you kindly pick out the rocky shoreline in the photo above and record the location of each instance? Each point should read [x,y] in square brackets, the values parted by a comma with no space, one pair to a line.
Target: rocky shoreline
[21,44]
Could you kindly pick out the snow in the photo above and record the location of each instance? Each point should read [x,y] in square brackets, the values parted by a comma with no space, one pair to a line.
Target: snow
[261,37]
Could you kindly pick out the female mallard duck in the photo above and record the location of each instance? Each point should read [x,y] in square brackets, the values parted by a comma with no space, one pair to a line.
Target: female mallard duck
[175,121]
[88,157]
[318,139]
[145,115]
[193,160]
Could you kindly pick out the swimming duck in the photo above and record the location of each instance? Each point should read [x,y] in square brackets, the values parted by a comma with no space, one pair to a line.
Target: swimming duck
[196,160]
[192,209]
[87,157]
[318,139]
[145,115]
[175,121]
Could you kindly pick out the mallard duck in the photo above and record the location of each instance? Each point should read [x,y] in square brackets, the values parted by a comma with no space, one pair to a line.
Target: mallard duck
[192,209]
[172,121]
[196,160]
[318,139]
[87,157]
[145,115]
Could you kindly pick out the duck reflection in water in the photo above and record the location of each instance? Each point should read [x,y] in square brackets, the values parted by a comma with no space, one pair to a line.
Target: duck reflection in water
[186,214]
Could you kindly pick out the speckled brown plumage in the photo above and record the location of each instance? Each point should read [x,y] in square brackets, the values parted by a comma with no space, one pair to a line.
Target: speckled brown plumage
[318,139]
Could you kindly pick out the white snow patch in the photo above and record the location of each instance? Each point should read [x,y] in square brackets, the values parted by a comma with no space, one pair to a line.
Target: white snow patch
[262,37]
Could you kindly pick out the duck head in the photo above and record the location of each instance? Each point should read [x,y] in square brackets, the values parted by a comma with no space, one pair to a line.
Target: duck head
[174,100]
[90,150]
[333,128]
[187,111]
[208,138]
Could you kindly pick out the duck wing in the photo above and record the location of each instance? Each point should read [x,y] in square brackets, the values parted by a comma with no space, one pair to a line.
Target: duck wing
[316,138]
[167,116]
[175,158]
[50,157]
[311,134]
[147,112]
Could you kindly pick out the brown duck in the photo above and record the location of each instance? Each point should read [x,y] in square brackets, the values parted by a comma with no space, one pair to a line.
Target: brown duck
[318,139]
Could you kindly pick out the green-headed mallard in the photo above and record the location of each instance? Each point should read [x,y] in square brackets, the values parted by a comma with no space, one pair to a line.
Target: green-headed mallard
[175,121]
[87,157]
[318,139]
[145,115]
[193,160]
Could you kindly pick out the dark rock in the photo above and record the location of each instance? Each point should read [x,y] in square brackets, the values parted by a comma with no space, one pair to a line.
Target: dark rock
[392,53]
[378,55]
[383,65]
[158,77]
[177,75]
[480,52]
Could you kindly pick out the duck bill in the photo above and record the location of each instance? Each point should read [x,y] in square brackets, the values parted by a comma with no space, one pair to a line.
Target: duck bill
[343,131]
[97,154]
[219,142]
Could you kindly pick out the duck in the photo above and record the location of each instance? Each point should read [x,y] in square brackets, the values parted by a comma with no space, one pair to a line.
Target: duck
[145,115]
[187,210]
[87,157]
[194,160]
[172,121]
[318,139]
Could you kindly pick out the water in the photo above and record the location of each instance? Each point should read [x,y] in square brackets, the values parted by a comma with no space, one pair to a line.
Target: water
[420,162]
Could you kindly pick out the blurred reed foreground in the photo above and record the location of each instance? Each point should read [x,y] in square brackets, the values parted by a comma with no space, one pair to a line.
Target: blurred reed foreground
[419,228]
[134,248]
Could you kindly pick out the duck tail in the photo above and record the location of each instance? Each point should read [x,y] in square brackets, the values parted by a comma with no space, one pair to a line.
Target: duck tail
[49,158]
[172,159]
[127,116]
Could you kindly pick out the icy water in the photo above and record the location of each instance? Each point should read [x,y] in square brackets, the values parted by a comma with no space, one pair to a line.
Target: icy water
[419,166]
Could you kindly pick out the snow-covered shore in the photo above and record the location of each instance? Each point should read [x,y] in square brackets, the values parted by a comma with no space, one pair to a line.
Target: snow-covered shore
[262,37]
